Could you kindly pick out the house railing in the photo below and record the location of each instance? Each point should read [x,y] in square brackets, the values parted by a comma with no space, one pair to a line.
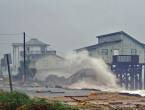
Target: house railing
[36,52]
[133,59]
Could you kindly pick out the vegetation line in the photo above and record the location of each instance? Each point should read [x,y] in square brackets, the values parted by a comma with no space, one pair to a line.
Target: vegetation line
[20,101]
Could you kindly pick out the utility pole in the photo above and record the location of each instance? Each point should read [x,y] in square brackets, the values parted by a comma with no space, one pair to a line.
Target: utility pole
[10,78]
[8,61]
[24,62]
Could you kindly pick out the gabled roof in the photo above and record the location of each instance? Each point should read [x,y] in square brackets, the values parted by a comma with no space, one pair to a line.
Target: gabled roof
[121,32]
[111,34]
[36,57]
[45,56]
[100,44]
[35,41]
[32,41]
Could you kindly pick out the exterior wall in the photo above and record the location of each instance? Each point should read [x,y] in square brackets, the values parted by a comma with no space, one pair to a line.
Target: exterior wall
[92,52]
[52,62]
[124,48]
[80,50]
[109,38]
[17,57]
[21,48]
[34,48]
[129,44]
[111,47]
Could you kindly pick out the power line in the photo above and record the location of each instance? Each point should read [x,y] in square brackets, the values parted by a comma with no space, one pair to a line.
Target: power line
[8,35]
[5,43]
[28,36]
[57,51]
[12,34]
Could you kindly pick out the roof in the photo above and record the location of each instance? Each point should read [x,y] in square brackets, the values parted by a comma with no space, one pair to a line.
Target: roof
[17,44]
[36,57]
[106,35]
[121,32]
[100,44]
[42,56]
[32,41]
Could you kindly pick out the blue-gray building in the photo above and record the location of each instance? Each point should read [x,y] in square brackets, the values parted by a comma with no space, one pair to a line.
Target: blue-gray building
[118,43]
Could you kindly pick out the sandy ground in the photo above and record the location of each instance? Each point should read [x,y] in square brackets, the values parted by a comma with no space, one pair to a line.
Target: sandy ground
[136,103]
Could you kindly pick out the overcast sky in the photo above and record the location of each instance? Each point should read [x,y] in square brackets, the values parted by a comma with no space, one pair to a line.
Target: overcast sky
[69,24]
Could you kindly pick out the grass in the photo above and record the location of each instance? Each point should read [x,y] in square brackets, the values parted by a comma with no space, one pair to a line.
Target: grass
[20,101]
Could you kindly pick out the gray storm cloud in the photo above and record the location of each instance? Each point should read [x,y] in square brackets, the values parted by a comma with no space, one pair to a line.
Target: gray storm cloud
[69,24]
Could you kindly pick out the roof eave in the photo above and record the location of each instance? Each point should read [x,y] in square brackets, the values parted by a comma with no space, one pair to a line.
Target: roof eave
[37,45]
[30,44]
[47,55]
[106,35]
[93,46]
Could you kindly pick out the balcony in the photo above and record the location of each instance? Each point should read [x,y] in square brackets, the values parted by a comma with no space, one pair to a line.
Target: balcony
[36,52]
[126,59]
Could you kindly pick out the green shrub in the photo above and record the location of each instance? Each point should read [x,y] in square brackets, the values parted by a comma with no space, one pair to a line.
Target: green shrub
[20,101]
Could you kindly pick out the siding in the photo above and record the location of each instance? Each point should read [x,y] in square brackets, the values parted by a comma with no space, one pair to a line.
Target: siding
[92,52]
[129,44]
[16,57]
[110,47]
[124,48]
[52,62]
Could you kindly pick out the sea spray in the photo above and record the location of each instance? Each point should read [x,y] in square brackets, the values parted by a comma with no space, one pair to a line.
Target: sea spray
[105,79]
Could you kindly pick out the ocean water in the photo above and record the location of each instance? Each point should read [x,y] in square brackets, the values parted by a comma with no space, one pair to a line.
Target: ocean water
[140,92]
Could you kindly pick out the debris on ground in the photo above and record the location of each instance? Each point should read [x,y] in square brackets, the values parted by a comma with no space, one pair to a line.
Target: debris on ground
[105,101]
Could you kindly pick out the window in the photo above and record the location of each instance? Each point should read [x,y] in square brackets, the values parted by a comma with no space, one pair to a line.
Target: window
[28,48]
[133,52]
[42,49]
[45,63]
[104,51]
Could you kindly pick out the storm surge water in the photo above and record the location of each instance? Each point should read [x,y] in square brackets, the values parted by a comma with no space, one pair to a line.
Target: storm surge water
[105,79]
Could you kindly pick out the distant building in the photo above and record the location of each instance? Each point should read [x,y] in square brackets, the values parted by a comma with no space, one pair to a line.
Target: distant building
[118,43]
[34,49]
[49,64]
[48,61]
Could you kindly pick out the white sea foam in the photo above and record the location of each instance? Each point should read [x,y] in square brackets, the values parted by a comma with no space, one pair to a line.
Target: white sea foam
[105,79]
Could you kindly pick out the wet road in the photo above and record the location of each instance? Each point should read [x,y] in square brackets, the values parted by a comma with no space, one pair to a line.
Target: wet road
[32,91]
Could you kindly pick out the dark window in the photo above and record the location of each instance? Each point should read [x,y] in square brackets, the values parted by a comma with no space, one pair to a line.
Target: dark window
[42,49]
[104,51]
[28,48]
[133,52]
